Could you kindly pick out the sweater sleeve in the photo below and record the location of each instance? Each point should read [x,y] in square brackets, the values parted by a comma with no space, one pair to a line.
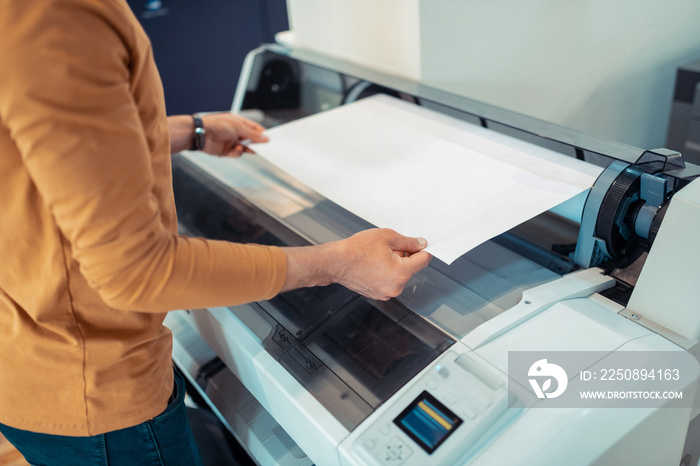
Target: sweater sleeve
[65,96]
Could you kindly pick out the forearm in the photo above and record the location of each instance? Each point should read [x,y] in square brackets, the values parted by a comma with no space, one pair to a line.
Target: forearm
[172,272]
[181,132]
[375,263]
[310,266]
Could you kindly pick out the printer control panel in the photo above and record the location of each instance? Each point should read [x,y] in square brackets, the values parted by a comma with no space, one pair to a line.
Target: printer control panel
[440,418]
[427,422]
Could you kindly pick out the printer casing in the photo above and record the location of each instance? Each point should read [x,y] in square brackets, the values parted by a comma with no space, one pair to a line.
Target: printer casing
[321,375]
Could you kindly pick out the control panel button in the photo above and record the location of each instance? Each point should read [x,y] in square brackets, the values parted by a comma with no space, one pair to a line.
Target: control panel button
[385,429]
[395,452]
[469,414]
[370,444]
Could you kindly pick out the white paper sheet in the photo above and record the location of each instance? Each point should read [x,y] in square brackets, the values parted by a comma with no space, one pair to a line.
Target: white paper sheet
[421,173]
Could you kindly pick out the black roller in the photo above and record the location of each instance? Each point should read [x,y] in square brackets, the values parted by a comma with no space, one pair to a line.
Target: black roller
[614,224]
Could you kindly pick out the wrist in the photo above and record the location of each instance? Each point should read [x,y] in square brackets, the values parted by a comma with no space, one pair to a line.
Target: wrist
[331,258]
[312,266]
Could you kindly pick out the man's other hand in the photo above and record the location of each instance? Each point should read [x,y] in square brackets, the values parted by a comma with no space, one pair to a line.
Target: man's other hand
[375,263]
[225,134]
[226,131]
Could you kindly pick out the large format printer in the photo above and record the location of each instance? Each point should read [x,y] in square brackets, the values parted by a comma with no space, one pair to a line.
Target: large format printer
[325,376]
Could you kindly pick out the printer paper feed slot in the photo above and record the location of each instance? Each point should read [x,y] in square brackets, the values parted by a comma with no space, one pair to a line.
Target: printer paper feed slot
[401,166]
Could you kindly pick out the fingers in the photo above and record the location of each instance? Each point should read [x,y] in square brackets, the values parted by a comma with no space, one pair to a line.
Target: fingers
[254,136]
[416,262]
[235,151]
[378,263]
[225,132]
[241,149]
[254,126]
[240,122]
[249,129]
[402,243]
[409,265]
[412,258]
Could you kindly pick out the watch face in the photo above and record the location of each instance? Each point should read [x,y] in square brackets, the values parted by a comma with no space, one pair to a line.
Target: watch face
[200,137]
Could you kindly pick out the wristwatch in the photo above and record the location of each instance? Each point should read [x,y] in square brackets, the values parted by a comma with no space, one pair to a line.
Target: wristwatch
[199,136]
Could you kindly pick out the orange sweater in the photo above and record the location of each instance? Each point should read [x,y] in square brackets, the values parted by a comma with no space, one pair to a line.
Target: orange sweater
[89,256]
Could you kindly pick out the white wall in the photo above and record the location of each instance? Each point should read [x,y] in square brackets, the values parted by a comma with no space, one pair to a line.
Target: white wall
[604,67]
[382,34]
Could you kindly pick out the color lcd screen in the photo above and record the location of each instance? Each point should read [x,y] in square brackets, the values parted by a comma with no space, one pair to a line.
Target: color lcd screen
[428,422]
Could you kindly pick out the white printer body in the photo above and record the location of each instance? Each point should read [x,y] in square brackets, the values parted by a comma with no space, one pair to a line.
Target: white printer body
[325,376]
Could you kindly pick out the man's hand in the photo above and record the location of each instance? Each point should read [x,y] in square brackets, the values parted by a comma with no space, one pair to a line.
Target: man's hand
[224,133]
[376,263]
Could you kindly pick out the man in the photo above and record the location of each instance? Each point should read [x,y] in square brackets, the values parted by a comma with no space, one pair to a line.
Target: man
[90,257]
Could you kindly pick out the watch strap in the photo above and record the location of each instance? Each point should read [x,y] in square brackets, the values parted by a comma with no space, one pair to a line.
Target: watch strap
[199,134]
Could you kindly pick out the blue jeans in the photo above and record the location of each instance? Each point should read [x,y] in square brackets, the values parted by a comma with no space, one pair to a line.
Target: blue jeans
[164,440]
